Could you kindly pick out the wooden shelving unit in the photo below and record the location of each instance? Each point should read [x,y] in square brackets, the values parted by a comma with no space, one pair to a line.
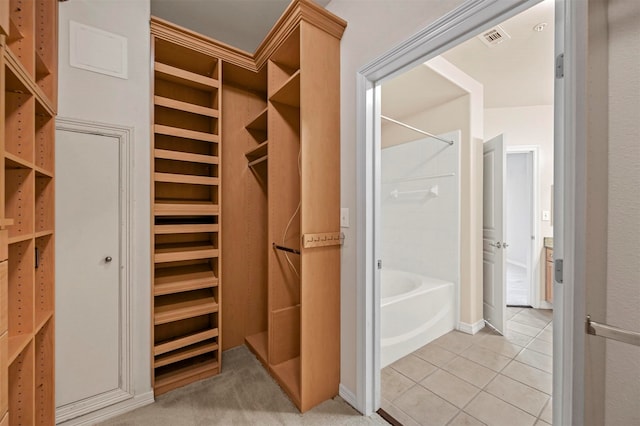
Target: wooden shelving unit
[28,84]
[281,151]
[186,215]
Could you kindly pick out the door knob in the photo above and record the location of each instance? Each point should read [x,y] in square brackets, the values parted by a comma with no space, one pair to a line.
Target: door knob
[505,245]
[496,245]
[108,259]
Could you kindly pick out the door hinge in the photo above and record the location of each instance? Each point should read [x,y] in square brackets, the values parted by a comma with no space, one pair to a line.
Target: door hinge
[379,263]
[560,66]
[558,270]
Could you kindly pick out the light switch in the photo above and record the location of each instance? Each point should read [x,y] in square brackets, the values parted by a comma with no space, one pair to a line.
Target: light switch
[344,217]
[546,215]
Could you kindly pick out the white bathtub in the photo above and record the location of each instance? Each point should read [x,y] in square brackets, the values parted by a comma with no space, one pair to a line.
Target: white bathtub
[415,310]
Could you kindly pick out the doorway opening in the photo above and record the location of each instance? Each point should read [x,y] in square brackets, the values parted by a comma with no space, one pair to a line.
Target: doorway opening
[466,368]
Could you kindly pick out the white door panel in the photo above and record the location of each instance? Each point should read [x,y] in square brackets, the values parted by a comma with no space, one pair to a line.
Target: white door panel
[87,285]
[493,254]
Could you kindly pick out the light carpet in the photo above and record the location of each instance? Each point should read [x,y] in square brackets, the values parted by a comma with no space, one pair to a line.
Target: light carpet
[242,394]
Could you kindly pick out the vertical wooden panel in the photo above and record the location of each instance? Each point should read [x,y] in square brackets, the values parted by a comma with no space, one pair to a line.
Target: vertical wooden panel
[320,311]
[21,391]
[4,295]
[4,379]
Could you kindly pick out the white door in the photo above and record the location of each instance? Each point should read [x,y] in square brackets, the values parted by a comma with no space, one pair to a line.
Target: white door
[87,266]
[493,233]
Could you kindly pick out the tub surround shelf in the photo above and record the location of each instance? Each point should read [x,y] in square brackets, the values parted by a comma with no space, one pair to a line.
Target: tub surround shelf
[267,111]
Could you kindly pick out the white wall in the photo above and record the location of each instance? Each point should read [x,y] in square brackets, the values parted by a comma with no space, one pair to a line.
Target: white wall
[420,230]
[529,125]
[622,383]
[374,27]
[95,97]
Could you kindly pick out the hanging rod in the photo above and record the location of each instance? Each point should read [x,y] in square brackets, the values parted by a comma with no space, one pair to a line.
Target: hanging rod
[287,249]
[409,179]
[400,123]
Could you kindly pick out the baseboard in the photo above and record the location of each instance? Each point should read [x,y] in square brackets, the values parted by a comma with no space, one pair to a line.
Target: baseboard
[348,396]
[111,411]
[543,304]
[471,328]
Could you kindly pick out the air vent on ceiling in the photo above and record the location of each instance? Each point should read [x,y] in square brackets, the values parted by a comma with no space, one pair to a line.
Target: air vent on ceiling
[494,36]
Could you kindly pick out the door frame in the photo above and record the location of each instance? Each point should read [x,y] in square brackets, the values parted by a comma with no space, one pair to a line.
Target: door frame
[569,191]
[534,274]
[125,391]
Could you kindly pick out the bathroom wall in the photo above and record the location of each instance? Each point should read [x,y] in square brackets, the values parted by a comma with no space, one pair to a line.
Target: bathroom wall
[420,231]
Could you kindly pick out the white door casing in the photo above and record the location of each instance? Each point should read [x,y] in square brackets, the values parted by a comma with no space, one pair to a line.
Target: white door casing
[493,233]
[92,270]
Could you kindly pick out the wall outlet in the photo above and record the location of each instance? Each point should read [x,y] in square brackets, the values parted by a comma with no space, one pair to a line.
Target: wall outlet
[546,215]
[344,217]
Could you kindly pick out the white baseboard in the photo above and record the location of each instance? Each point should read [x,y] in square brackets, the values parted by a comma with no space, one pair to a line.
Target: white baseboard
[471,328]
[543,304]
[111,411]
[348,396]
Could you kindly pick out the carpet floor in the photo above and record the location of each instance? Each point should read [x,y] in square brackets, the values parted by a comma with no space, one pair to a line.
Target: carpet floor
[243,394]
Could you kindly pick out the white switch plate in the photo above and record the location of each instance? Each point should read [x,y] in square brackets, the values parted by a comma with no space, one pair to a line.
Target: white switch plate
[546,215]
[344,217]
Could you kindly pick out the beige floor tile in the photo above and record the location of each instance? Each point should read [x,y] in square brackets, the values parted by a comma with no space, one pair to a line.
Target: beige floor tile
[541,346]
[426,407]
[515,393]
[546,335]
[455,341]
[512,311]
[536,359]
[463,419]
[547,412]
[398,414]
[517,338]
[413,367]
[470,371]
[528,319]
[528,375]
[495,412]
[545,314]
[500,345]
[485,357]
[524,328]
[435,354]
[451,388]
[393,384]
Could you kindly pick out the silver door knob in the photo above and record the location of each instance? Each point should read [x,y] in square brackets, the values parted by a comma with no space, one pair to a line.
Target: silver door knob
[505,245]
[496,245]
[108,259]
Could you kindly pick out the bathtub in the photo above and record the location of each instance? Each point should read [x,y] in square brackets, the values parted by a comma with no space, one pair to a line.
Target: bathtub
[414,311]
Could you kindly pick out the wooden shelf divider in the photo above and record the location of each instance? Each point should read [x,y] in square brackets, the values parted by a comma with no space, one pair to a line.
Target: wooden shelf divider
[185,353]
[184,341]
[185,106]
[185,156]
[183,306]
[184,77]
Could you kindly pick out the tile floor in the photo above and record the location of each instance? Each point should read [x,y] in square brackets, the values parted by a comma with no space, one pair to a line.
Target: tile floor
[459,379]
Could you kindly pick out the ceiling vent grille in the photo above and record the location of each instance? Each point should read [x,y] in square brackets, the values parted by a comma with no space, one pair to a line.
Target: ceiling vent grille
[494,36]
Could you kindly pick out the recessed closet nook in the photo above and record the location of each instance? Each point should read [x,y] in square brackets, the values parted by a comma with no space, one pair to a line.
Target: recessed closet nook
[246,203]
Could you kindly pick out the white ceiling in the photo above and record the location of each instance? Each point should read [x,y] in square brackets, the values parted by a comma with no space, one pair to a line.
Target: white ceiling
[416,90]
[239,23]
[519,71]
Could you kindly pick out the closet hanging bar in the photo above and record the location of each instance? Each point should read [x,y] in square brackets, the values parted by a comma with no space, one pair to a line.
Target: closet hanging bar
[287,249]
[400,123]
